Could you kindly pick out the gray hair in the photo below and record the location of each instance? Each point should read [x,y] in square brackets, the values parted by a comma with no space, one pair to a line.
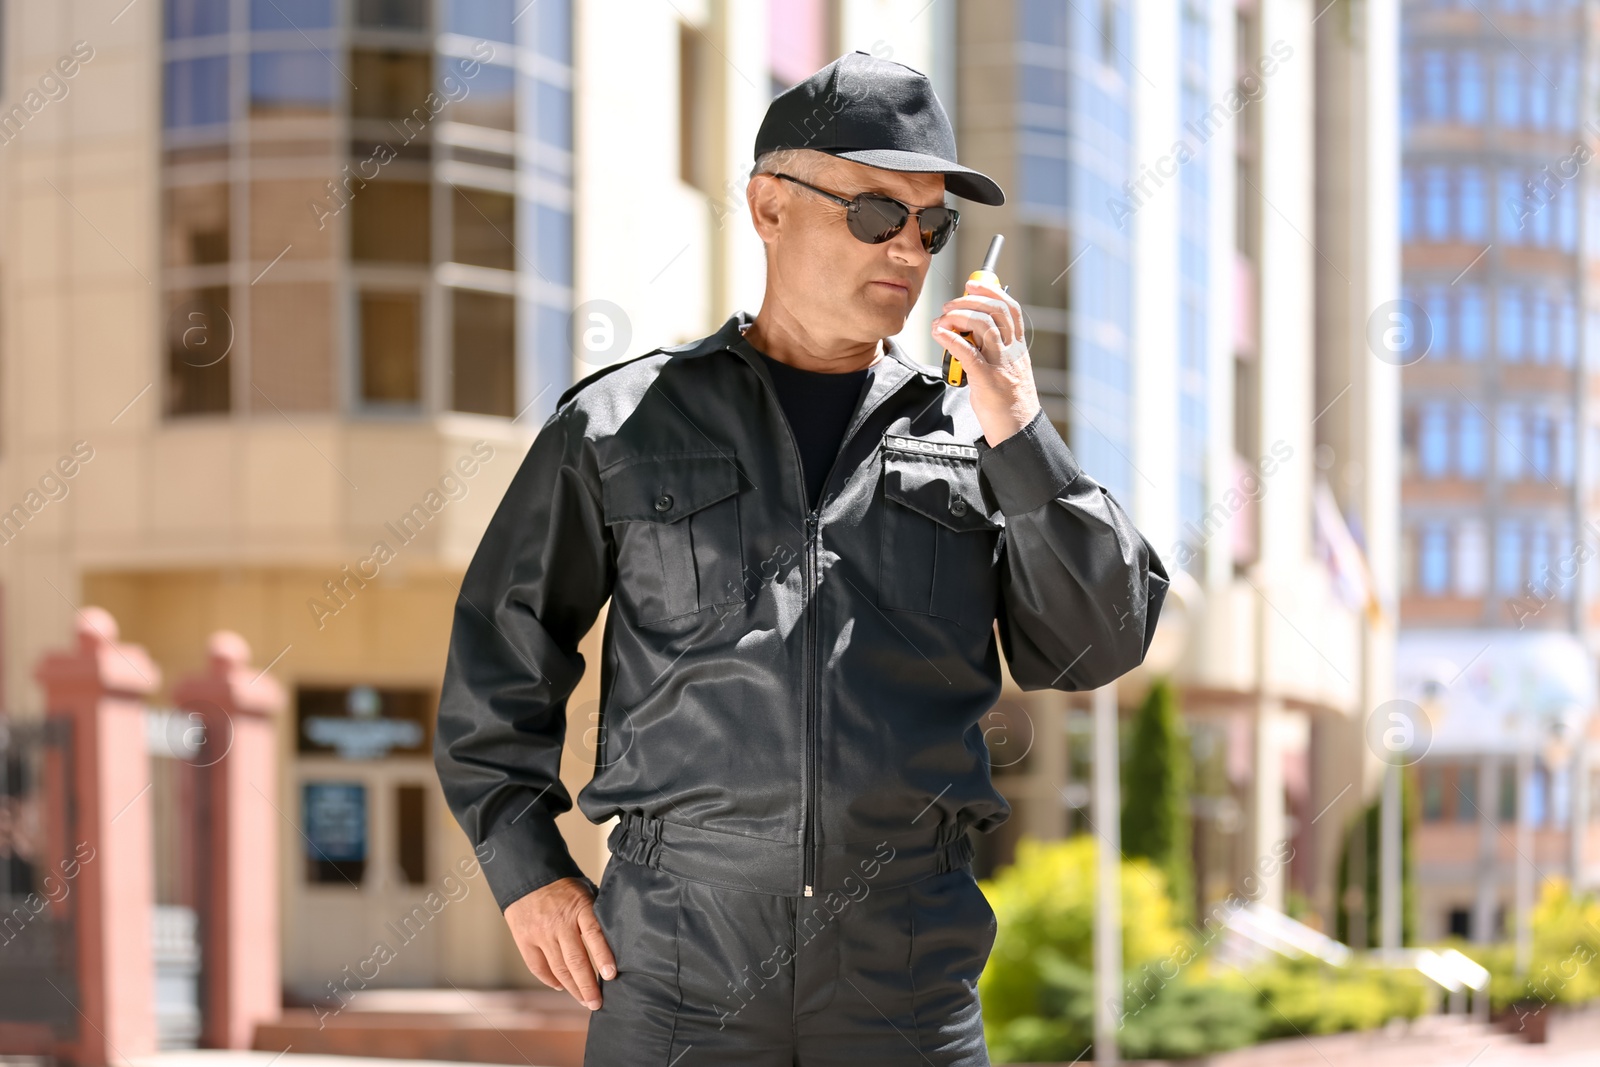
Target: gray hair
[801,162]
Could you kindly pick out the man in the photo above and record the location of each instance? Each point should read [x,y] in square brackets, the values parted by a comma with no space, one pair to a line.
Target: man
[807,540]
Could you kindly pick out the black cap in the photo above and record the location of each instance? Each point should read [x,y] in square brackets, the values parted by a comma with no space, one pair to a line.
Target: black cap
[873,111]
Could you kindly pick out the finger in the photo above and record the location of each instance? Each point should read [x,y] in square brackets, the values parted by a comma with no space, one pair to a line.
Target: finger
[555,957]
[983,329]
[580,968]
[534,959]
[958,346]
[595,940]
[1012,305]
[983,305]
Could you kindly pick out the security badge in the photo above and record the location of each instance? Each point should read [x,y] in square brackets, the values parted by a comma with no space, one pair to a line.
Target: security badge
[918,446]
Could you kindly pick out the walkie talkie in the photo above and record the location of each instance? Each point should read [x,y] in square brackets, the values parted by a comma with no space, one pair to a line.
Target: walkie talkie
[954,373]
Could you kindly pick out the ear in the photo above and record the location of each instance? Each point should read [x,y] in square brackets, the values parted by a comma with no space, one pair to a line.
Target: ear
[766,205]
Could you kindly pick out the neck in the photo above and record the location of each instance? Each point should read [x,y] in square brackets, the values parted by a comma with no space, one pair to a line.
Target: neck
[808,345]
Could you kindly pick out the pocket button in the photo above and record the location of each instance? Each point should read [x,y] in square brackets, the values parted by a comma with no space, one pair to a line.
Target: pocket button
[958,506]
[664,502]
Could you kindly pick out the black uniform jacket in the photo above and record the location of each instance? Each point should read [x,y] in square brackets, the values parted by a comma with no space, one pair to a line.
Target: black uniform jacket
[782,691]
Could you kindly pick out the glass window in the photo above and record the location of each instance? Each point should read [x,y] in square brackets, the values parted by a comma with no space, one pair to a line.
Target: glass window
[200,336]
[553,257]
[1472,329]
[1537,100]
[1435,86]
[196,92]
[389,84]
[1043,22]
[1435,562]
[196,18]
[391,348]
[488,20]
[481,100]
[1510,332]
[1541,212]
[484,350]
[334,817]
[484,225]
[552,108]
[1472,448]
[291,14]
[1508,791]
[1433,443]
[1432,793]
[299,82]
[393,15]
[1508,443]
[1567,220]
[1541,443]
[196,225]
[1408,206]
[1514,217]
[1508,559]
[1046,86]
[1567,331]
[1469,88]
[1437,203]
[411,832]
[1467,794]
[1472,559]
[1474,205]
[389,222]
[1508,90]
[1539,557]
[550,23]
[1438,311]
[1540,320]
[1044,181]
[1564,449]
[1566,110]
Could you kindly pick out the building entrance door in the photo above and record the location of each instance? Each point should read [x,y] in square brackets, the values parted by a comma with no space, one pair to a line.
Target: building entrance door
[363,891]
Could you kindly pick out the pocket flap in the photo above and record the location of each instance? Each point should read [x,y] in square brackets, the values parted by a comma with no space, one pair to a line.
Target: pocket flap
[666,488]
[946,489]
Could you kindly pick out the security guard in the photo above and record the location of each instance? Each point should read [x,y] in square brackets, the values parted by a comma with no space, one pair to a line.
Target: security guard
[807,540]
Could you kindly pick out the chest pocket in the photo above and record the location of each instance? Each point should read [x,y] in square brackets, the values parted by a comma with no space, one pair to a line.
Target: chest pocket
[675,519]
[939,549]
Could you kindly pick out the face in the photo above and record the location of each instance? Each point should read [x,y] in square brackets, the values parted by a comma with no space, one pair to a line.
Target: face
[840,286]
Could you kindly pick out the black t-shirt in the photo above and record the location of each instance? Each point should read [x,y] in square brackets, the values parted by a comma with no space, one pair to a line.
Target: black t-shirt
[818,406]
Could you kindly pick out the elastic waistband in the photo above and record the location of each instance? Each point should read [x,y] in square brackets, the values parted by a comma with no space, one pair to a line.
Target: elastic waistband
[754,864]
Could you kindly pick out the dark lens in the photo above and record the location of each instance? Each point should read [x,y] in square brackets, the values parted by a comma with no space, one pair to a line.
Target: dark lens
[937,223]
[874,219]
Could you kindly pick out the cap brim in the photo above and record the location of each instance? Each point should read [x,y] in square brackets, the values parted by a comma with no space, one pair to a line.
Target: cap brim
[960,181]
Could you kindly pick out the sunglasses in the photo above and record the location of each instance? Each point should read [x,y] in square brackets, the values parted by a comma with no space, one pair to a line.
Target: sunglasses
[875,218]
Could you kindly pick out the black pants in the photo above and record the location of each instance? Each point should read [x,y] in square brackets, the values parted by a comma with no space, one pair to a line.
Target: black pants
[708,975]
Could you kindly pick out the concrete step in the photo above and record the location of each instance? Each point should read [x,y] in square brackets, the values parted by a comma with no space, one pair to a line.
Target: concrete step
[533,1027]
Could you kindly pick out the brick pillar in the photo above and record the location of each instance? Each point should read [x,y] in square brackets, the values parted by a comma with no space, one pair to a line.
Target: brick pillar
[101,687]
[238,704]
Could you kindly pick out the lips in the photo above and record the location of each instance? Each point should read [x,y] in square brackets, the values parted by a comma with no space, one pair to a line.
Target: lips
[902,286]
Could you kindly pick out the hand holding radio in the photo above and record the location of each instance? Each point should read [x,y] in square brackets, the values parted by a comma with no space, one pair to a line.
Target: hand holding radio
[982,333]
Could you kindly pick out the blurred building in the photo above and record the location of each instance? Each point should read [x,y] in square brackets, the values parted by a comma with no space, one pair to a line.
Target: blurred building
[1501,440]
[1198,305]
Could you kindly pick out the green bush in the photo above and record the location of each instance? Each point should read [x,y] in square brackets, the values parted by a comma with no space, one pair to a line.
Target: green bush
[1566,944]
[1038,989]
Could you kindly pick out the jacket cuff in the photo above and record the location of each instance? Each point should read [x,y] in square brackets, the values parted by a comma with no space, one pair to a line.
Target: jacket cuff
[1030,468]
[523,856]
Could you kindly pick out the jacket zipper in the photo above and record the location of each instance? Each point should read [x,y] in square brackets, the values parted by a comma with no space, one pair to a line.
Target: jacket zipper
[813,529]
